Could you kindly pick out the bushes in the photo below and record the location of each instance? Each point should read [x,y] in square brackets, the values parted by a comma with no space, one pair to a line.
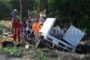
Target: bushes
[13,52]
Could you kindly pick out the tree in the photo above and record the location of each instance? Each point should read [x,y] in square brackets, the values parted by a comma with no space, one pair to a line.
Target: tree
[43,4]
[24,8]
[74,11]
[5,8]
[15,4]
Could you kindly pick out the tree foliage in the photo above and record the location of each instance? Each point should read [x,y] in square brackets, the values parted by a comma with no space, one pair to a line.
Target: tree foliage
[5,8]
[73,11]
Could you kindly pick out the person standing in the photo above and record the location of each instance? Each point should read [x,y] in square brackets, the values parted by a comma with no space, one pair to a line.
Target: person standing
[42,16]
[16,26]
[36,29]
[14,14]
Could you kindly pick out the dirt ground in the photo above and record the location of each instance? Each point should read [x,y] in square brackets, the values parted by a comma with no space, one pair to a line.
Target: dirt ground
[51,54]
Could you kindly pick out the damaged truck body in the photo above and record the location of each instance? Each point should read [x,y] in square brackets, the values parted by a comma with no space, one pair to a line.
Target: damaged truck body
[68,42]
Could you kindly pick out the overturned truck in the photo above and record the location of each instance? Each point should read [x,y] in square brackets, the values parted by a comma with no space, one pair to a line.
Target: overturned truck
[68,42]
